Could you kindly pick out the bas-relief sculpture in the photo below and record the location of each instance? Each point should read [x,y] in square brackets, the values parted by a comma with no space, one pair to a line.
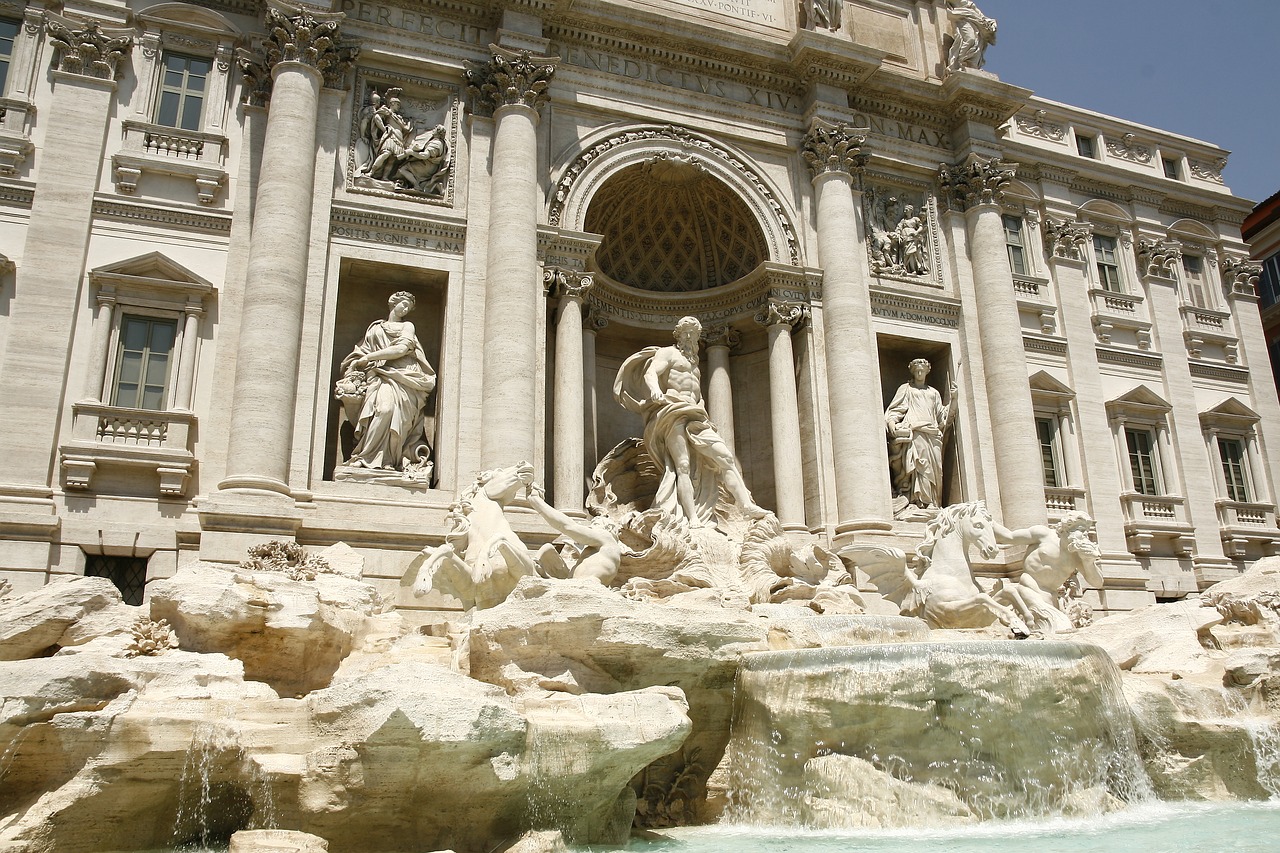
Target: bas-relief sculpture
[390,155]
[973,32]
[917,421]
[386,382]
[663,385]
[899,243]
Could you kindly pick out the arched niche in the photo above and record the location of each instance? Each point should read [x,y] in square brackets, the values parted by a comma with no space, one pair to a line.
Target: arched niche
[614,151]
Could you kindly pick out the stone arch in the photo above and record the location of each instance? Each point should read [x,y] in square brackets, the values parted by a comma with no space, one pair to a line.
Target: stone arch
[614,150]
[1194,230]
[1106,210]
[186,15]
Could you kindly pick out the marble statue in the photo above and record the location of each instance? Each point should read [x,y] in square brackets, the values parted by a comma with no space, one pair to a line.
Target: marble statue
[899,235]
[974,31]
[392,157]
[917,421]
[663,385]
[821,14]
[1055,556]
[383,390]
[597,550]
[944,594]
[482,558]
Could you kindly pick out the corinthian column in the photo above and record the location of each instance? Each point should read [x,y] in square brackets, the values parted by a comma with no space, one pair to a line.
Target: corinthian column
[977,187]
[302,51]
[719,341]
[863,500]
[568,412]
[511,87]
[779,318]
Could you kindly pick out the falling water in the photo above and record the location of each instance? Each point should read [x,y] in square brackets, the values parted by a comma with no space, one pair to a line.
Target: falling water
[220,791]
[929,734]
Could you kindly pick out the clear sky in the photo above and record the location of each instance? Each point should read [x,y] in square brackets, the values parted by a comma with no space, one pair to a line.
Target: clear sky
[1203,68]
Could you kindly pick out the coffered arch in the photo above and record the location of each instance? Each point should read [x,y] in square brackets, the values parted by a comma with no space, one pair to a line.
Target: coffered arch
[613,151]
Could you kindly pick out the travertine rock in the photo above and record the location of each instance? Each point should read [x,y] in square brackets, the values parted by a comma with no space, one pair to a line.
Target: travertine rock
[847,792]
[35,623]
[276,841]
[578,637]
[1157,638]
[292,634]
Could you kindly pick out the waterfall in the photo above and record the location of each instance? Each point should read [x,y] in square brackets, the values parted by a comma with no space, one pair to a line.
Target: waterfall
[930,733]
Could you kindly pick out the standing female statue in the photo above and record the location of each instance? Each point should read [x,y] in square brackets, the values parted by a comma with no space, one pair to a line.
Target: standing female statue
[384,388]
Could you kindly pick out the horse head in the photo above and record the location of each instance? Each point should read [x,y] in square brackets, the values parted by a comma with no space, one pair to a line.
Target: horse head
[970,522]
[501,485]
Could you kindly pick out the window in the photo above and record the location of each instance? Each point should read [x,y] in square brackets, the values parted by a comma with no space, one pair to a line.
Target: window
[1269,283]
[1013,243]
[8,33]
[1047,431]
[1142,461]
[1197,287]
[1086,146]
[1170,167]
[1231,453]
[1108,264]
[142,366]
[129,574]
[182,91]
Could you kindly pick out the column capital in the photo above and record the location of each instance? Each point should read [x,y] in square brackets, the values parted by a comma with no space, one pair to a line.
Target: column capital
[1065,239]
[594,319]
[829,147]
[509,78]
[296,34]
[976,182]
[567,284]
[1158,257]
[1241,275]
[721,336]
[86,48]
[789,314]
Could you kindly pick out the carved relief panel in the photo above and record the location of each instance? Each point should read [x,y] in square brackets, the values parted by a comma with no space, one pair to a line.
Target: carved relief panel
[404,134]
[902,240]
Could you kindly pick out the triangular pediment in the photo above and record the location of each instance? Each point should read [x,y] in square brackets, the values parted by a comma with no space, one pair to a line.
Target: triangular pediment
[1043,383]
[154,266]
[1230,412]
[1141,401]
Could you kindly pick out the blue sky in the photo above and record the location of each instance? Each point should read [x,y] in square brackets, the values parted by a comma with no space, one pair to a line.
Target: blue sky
[1210,70]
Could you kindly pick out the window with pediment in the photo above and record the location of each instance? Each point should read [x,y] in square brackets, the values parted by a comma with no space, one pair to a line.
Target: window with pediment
[136,411]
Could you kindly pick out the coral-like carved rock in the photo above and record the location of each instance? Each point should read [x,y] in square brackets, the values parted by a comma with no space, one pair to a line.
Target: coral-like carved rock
[287,557]
[150,638]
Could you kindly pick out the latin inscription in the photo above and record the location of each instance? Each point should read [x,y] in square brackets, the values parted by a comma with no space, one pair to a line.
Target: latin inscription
[389,238]
[899,130]
[414,22]
[702,84]
[915,317]
[751,11]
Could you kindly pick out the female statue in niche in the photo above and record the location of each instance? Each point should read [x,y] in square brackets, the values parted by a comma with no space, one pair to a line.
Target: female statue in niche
[917,421]
[384,388]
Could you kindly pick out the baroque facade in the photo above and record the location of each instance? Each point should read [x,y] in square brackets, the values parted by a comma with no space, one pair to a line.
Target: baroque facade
[205,207]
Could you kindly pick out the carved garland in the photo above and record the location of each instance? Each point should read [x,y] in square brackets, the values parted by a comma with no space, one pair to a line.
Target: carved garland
[687,139]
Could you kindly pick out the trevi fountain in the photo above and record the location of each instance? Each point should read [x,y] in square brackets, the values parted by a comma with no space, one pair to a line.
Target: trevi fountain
[675,671]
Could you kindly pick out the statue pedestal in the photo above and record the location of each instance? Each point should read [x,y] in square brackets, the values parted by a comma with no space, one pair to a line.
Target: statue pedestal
[418,481]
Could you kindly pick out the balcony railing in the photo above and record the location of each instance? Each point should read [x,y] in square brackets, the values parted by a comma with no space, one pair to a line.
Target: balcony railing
[171,151]
[112,436]
[1151,517]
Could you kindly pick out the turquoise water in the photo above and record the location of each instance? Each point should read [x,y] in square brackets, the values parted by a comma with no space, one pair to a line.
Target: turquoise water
[1152,828]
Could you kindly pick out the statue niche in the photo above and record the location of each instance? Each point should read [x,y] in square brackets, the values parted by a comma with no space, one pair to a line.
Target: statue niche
[383,391]
[398,150]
